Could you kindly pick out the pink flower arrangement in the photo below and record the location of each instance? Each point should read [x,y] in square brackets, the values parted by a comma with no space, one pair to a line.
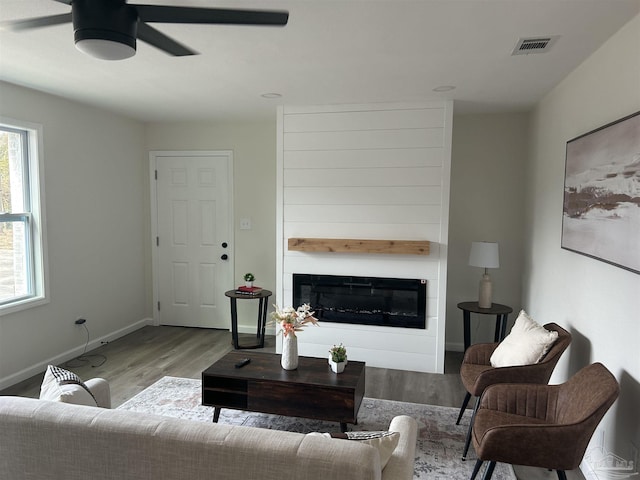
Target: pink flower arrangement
[292,321]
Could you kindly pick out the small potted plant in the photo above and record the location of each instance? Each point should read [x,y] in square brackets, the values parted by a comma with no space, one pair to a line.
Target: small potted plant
[248,279]
[338,358]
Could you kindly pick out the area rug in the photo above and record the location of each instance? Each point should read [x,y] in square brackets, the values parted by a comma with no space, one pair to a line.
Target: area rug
[440,440]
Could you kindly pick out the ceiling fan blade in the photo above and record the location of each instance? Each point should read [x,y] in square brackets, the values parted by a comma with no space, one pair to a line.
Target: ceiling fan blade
[37,22]
[169,14]
[159,40]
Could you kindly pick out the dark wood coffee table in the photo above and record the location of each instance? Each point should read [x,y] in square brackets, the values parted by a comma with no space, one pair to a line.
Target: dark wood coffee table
[310,391]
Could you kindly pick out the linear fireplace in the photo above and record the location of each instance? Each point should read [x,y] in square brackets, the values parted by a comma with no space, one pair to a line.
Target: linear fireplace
[389,302]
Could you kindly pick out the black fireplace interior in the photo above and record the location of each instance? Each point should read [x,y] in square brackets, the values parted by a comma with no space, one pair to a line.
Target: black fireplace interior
[389,302]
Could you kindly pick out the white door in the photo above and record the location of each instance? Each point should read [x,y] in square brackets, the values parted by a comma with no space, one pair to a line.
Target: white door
[193,241]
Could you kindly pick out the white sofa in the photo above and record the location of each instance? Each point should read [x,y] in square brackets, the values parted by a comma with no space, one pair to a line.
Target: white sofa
[48,440]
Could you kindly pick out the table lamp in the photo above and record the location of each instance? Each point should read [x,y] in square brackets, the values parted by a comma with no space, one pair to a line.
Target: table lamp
[485,255]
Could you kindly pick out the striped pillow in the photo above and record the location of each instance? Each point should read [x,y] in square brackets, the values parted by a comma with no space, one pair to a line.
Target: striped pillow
[61,385]
[385,442]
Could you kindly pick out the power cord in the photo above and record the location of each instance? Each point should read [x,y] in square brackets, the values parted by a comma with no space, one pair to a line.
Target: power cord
[85,358]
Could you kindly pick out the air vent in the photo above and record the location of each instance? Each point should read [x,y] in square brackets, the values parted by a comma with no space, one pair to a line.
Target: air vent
[526,46]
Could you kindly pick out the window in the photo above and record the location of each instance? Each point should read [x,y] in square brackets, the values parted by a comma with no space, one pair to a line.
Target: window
[22,268]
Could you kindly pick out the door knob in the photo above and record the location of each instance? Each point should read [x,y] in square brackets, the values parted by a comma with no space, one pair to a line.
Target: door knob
[224,257]
[224,244]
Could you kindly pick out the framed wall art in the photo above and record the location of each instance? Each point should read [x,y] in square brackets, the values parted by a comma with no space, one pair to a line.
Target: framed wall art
[601,211]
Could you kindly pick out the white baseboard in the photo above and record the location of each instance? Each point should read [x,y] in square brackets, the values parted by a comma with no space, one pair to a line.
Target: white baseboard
[252,329]
[70,354]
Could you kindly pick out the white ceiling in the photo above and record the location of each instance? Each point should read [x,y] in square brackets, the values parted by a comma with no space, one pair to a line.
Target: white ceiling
[331,52]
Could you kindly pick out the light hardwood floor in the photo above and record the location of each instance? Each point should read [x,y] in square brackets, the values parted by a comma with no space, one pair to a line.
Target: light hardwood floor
[137,360]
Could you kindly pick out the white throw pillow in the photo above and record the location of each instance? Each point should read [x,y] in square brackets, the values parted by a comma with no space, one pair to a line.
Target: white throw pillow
[60,385]
[526,344]
[385,442]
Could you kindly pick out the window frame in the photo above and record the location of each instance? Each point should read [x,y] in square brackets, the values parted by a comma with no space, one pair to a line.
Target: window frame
[33,217]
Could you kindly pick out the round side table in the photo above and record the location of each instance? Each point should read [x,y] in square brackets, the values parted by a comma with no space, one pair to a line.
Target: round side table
[500,311]
[262,298]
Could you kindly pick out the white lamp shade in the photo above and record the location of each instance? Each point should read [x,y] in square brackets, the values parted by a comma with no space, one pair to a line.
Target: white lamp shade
[484,254]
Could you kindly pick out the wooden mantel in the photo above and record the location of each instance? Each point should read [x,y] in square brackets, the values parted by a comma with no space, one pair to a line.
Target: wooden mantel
[350,245]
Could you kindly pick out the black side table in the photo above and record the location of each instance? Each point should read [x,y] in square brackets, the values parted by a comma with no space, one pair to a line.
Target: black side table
[500,311]
[263,296]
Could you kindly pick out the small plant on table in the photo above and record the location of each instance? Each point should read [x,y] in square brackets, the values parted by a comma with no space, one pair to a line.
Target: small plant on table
[338,359]
[338,353]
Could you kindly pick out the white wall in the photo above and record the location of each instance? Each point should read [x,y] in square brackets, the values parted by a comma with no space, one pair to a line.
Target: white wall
[94,204]
[378,171]
[599,303]
[254,177]
[487,203]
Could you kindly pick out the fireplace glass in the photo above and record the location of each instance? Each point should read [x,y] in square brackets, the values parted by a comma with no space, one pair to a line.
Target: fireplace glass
[388,302]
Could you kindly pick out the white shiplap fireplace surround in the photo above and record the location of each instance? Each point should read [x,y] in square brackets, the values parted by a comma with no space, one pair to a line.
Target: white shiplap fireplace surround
[377,171]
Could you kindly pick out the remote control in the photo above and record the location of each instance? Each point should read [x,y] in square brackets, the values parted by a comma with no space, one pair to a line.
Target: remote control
[243,362]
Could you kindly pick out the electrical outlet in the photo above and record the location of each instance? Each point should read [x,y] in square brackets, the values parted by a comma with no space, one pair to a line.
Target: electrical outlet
[245,224]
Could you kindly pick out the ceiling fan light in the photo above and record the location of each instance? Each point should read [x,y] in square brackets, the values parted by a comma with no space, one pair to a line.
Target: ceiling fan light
[105,49]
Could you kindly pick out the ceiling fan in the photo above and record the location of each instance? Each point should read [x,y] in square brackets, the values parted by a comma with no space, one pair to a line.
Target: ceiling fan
[108,29]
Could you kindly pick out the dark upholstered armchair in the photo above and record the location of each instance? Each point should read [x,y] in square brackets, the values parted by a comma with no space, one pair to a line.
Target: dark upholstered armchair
[546,426]
[477,373]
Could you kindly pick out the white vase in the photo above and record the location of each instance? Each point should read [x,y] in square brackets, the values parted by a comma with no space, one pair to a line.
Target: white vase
[337,367]
[248,284]
[289,357]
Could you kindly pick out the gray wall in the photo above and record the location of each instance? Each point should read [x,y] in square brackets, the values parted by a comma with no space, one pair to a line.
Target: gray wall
[254,192]
[597,302]
[93,175]
[487,203]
